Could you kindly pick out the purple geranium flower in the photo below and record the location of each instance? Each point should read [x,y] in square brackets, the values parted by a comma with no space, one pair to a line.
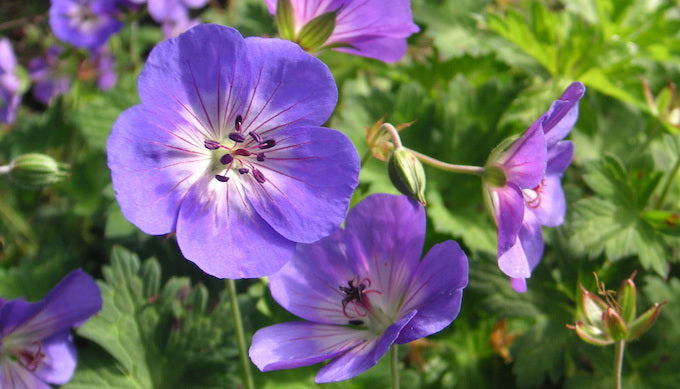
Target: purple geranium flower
[36,346]
[226,150]
[9,83]
[362,289]
[369,28]
[524,186]
[44,72]
[85,23]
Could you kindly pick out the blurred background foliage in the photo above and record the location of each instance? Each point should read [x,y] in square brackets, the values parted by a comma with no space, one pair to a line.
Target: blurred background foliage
[478,71]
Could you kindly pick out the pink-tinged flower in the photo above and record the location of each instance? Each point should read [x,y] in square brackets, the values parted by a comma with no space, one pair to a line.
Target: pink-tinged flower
[9,83]
[523,186]
[36,345]
[85,23]
[369,28]
[362,289]
[227,151]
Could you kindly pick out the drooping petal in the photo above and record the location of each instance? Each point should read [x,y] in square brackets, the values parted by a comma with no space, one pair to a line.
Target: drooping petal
[219,231]
[59,362]
[309,284]
[310,176]
[294,344]
[435,292]
[155,159]
[289,87]
[507,205]
[362,357]
[524,162]
[520,259]
[203,75]
[72,301]
[15,376]
[562,114]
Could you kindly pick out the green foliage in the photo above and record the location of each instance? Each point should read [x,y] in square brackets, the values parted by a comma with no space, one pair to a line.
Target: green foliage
[154,334]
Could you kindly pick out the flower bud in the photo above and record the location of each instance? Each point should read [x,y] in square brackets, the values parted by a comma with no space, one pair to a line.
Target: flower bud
[407,174]
[35,170]
[626,298]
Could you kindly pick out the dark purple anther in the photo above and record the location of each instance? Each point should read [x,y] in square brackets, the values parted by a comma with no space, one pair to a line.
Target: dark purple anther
[260,157]
[242,152]
[256,137]
[268,144]
[243,170]
[226,159]
[237,123]
[237,137]
[259,176]
[211,144]
[221,178]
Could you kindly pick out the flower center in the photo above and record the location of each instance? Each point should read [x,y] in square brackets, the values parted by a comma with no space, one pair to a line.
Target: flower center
[239,153]
[357,307]
[27,355]
[532,197]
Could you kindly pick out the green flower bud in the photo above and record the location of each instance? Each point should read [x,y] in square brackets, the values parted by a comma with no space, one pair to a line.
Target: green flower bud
[35,170]
[627,298]
[407,174]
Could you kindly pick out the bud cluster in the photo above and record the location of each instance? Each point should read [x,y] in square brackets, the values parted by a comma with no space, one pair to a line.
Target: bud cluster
[613,318]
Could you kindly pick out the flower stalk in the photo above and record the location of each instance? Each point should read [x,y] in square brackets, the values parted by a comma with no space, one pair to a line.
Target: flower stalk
[618,363]
[394,367]
[248,382]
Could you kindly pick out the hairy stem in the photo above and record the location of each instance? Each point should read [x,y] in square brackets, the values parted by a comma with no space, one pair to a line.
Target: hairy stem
[394,367]
[618,363]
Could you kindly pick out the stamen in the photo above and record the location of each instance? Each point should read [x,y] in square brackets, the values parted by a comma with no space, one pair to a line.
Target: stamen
[242,152]
[211,144]
[256,137]
[260,157]
[259,176]
[243,170]
[226,159]
[238,123]
[221,178]
[237,137]
[268,144]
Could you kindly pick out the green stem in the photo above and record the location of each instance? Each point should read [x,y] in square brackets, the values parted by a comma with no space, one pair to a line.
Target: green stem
[667,186]
[618,363]
[240,336]
[465,169]
[366,157]
[394,367]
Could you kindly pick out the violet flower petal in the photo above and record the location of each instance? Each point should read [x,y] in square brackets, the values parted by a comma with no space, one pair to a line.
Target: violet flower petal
[525,161]
[281,94]
[551,206]
[362,357]
[296,344]
[59,362]
[72,301]
[15,376]
[520,259]
[562,114]
[235,241]
[435,292]
[309,182]
[508,209]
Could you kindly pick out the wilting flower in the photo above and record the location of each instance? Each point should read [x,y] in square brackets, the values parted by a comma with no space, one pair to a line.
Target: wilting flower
[523,186]
[36,346]
[362,289]
[369,28]
[44,73]
[226,150]
[9,83]
[85,23]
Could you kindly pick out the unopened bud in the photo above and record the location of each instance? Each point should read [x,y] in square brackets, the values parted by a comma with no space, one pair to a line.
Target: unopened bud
[614,325]
[35,170]
[407,174]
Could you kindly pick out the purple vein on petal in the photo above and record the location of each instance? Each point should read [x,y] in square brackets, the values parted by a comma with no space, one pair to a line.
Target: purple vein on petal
[202,126]
[266,103]
[253,94]
[174,134]
[290,107]
[200,98]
